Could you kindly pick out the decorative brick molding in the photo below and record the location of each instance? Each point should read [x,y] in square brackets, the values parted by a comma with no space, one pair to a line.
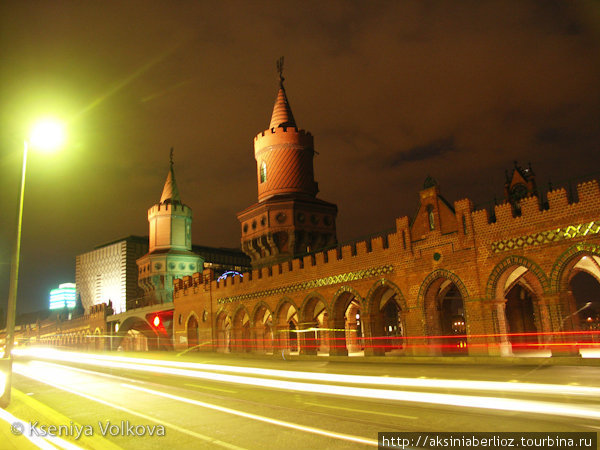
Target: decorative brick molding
[547,237]
[320,282]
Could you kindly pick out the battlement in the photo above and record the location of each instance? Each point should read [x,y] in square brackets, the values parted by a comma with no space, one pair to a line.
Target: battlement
[340,256]
[169,208]
[283,135]
[282,130]
[100,308]
[532,213]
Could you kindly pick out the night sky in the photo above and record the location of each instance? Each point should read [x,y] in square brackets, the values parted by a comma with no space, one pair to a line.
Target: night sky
[392,92]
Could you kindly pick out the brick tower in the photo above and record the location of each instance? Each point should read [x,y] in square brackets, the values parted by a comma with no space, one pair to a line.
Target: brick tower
[288,220]
[170,253]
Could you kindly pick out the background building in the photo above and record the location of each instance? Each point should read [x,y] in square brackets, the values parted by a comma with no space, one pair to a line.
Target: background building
[63,297]
[109,273]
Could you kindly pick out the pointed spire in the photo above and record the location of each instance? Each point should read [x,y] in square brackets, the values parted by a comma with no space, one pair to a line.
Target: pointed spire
[282,113]
[170,192]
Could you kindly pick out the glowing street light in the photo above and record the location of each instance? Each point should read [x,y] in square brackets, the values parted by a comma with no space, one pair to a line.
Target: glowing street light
[46,135]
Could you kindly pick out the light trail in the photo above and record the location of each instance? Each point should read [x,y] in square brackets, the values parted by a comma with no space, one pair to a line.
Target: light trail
[281,423]
[21,369]
[42,377]
[536,388]
[481,402]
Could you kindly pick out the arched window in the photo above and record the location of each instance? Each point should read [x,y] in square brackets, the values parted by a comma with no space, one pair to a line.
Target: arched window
[430,216]
[263,172]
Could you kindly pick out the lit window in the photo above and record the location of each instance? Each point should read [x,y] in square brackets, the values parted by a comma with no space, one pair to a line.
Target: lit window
[263,172]
[431,219]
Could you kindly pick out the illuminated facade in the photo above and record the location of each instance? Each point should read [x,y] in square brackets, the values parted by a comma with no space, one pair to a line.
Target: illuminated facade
[63,297]
[109,273]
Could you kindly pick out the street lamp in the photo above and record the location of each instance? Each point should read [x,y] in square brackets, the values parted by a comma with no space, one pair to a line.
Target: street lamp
[46,135]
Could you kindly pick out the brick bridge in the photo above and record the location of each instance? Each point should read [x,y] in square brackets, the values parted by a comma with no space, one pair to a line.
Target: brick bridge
[454,281]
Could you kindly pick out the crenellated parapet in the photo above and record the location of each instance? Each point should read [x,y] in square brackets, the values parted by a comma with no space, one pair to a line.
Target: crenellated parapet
[334,259]
[535,226]
[170,208]
[283,135]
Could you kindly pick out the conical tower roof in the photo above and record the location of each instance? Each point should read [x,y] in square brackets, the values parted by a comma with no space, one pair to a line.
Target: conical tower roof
[170,192]
[282,113]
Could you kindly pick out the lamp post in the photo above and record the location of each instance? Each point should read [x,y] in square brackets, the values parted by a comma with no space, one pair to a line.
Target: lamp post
[46,135]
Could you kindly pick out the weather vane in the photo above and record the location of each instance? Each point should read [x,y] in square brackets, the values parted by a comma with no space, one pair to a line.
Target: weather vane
[171,156]
[280,69]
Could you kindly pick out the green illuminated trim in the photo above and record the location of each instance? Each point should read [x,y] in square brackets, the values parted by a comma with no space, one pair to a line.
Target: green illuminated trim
[547,237]
[320,282]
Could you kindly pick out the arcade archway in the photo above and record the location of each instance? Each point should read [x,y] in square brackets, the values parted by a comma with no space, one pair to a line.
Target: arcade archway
[223,325]
[445,317]
[314,335]
[263,328]
[193,333]
[287,327]
[386,324]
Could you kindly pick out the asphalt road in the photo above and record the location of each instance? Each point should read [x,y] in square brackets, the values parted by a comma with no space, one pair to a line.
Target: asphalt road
[213,401]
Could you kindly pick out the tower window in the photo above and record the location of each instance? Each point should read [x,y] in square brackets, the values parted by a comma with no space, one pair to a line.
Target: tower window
[263,172]
[431,218]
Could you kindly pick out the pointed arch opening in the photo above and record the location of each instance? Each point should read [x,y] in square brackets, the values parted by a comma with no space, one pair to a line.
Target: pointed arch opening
[193,333]
[241,331]
[287,327]
[314,336]
[98,341]
[263,329]
[518,309]
[223,332]
[136,334]
[385,320]
[576,279]
[347,334]
[445,316]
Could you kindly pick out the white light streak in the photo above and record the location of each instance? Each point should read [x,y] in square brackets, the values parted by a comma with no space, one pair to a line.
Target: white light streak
[472,385]
[481,402]
[21,369]
[281,423]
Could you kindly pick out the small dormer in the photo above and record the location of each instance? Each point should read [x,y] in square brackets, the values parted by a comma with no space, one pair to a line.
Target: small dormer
[435,214]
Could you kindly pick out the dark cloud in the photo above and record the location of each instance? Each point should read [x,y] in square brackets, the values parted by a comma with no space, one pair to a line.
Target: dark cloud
[422,152]
[555,136]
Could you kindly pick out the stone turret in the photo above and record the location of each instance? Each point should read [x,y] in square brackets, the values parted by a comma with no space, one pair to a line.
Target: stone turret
[288,219]
[170,253]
